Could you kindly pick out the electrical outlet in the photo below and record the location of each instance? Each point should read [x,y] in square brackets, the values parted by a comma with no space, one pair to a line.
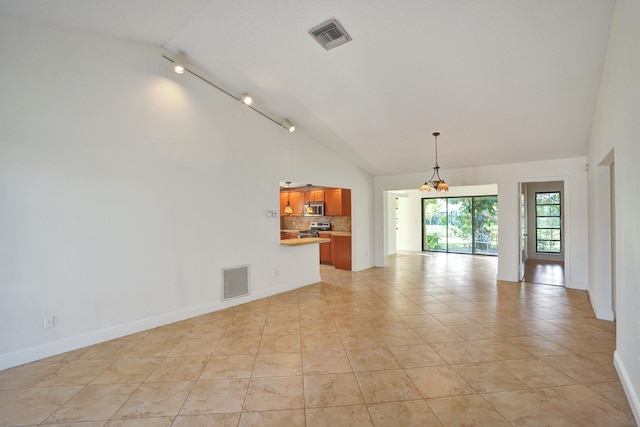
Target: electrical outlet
[48,322]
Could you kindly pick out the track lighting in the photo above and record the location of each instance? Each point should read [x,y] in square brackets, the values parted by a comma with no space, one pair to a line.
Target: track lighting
[246,99]
[179,65]
[288,126]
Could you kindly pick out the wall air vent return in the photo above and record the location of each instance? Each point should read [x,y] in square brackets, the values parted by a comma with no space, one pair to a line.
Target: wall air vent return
[235,282]
[330,34]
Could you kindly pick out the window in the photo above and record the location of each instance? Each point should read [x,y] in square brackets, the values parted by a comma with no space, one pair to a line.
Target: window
[548,223]
[460,224]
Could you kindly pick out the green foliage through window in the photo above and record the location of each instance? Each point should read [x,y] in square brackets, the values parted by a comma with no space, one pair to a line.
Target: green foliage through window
[461,224]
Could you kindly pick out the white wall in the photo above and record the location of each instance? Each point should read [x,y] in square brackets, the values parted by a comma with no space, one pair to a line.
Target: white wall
[409,236]
[126,188]
[392,213]
[614,139]
[507,177]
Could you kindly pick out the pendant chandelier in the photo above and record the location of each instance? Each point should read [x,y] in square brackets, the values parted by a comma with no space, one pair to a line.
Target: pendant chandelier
[309,208]
[288,209]
[435,181]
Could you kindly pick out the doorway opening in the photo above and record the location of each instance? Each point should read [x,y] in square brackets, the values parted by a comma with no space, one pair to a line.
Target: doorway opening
[544,272]
[542,232]
[466,224]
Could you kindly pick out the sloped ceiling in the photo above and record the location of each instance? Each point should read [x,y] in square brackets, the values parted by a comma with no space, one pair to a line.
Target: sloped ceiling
[504,81]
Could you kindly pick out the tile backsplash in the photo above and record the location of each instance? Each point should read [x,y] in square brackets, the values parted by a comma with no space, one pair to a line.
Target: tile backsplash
[338,223]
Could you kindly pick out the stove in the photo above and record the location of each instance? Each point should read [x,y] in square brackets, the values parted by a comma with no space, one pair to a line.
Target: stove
[320,226]
[315,228]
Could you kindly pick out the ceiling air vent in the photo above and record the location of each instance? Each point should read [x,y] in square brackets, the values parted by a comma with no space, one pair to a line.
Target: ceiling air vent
[330,34]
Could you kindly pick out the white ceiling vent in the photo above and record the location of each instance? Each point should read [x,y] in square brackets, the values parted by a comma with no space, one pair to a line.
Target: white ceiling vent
[330,34]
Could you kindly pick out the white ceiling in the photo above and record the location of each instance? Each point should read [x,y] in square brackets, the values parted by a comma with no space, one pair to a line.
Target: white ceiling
[504,81]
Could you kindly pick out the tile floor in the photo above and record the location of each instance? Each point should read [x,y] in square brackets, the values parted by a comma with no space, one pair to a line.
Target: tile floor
[430,340]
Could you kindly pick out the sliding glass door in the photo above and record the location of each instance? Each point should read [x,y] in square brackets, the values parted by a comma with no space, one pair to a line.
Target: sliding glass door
[434,217]
[461,224]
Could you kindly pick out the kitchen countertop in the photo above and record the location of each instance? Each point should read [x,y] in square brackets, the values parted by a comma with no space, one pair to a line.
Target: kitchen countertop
[337,233]
[305,241]
[331,232]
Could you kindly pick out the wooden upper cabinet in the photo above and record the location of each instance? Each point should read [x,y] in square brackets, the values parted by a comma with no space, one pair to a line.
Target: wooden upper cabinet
[295,200]
[283,202]
[316,196]
[337,202]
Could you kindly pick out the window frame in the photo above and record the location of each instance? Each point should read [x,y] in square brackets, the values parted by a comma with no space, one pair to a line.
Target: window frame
[474,250]
[558,228]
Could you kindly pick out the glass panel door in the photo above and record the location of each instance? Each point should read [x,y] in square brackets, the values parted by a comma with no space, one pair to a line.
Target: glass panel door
[434,214]
[485,217]
[548,223]
[460,225]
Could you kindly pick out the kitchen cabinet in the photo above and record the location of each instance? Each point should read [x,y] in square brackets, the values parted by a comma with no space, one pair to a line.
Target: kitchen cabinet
[341,252]
[295,200]
[286,235]
[337,202]
[325,249]
[316,196]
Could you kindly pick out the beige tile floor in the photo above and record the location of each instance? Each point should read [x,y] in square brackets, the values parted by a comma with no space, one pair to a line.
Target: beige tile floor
[430,340]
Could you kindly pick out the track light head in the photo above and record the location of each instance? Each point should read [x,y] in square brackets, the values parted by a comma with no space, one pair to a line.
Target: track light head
[179,65]
[288,126]
[246,99]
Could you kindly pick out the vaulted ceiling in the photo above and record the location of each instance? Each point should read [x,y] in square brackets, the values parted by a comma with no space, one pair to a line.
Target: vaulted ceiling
[504,81]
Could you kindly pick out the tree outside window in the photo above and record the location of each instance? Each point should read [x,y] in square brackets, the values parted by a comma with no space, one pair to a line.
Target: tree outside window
[461,224]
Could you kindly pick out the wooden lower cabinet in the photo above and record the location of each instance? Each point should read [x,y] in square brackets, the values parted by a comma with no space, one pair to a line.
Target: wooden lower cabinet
[341,252]
[285,235]
[325,249]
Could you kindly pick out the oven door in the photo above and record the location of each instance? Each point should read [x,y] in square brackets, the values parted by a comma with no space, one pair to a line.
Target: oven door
[305,234]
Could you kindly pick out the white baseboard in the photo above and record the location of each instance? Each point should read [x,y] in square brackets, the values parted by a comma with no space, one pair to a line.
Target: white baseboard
[605,313]
[32,354]
[632,395]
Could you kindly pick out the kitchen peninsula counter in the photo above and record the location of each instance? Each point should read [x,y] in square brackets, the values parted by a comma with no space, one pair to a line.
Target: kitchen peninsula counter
[331,232]
[305,241]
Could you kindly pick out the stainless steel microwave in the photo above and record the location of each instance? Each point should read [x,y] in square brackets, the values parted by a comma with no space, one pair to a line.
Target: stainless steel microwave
[314,209]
